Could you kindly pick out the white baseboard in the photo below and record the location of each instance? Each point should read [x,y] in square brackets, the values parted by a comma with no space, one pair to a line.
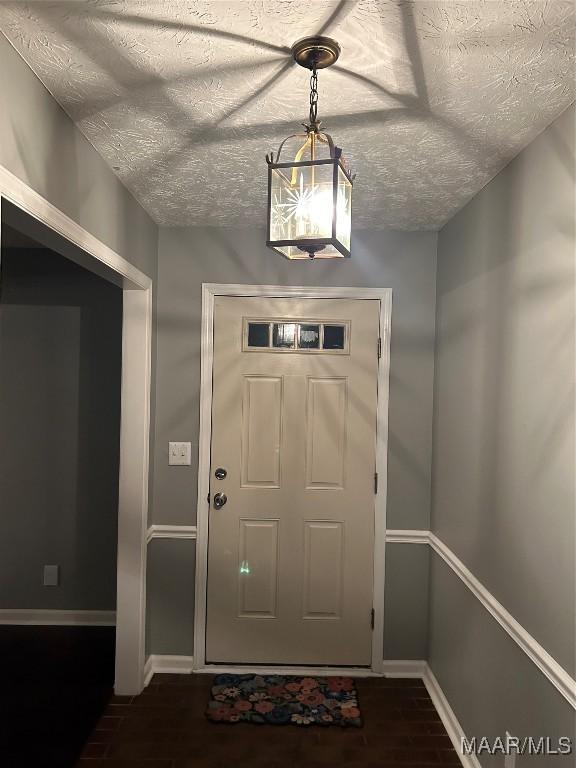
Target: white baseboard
[448,717]
[179,665]
[408,668]
[58,618]
[454,730]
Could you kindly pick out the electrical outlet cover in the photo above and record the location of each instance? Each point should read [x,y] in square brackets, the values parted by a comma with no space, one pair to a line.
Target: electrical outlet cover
[51,574]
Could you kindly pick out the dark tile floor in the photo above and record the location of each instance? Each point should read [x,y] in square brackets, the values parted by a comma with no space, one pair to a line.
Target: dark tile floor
[165,727]
[55,684]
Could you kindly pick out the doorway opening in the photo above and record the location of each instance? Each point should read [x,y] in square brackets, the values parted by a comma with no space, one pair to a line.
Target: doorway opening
[60,388]
[108,627]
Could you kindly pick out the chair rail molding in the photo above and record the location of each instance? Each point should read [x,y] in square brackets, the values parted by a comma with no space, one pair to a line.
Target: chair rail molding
[170,532]
[549,667]
[407,537]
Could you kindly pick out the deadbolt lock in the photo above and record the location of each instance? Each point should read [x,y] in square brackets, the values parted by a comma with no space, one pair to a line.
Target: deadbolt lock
[219,500]
[220,473]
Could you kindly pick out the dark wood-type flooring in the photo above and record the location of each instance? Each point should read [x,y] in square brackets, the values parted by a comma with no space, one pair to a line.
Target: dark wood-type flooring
[165,727]
[55,683]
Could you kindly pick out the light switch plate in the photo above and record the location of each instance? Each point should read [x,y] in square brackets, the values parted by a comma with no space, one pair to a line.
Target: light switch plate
[179,454]
[51,575]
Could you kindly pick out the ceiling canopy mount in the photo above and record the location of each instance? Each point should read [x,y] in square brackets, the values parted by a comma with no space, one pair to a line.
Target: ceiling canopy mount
[315,52]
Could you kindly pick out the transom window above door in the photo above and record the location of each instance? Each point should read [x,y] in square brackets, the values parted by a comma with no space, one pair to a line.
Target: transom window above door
[295,335]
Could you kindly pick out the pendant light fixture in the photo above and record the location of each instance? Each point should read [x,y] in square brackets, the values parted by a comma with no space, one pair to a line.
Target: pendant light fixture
[310,191]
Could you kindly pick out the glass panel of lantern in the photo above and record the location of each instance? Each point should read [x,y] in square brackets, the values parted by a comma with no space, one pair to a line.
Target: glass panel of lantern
[309,209]
[344,209]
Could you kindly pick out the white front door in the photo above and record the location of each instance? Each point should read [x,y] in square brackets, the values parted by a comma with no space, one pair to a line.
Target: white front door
[290,552]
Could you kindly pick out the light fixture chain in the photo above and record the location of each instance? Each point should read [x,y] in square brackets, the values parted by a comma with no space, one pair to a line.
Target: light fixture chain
[314,98]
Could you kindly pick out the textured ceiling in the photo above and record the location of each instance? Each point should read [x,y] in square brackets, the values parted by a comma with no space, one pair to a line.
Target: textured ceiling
[184,99]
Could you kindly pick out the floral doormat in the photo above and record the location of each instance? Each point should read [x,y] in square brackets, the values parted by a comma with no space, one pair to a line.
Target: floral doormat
[284,700]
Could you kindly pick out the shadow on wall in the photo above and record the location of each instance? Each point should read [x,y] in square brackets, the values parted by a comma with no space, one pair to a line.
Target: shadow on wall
[504,400]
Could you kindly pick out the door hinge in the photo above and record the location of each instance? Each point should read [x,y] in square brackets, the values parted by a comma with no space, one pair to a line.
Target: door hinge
[375,482]
[379,347]
[372,618]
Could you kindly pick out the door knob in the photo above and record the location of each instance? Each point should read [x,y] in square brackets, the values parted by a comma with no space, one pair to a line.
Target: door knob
[219,500]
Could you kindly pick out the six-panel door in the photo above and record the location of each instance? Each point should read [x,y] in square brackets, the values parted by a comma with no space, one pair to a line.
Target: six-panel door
[290,553]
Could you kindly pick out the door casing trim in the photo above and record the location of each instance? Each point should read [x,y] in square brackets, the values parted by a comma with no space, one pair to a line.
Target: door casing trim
[209,293]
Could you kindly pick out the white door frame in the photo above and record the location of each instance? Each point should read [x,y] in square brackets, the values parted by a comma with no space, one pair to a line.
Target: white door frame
[209,292]
[134,424]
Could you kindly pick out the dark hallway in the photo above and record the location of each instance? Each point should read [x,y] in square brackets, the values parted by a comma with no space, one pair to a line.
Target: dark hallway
[56,682]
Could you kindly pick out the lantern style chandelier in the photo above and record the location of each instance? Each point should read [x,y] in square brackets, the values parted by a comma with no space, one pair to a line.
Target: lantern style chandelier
[310,192]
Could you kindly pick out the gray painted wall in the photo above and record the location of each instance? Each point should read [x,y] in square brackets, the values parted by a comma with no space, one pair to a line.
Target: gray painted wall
[60,367]
[170,587]
[406,601]
[406,262]
[492,686]
[503,470]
